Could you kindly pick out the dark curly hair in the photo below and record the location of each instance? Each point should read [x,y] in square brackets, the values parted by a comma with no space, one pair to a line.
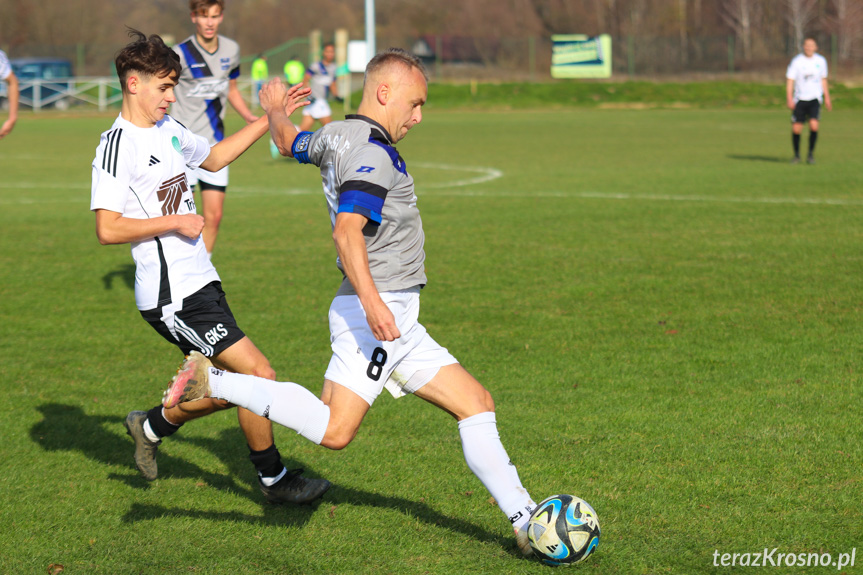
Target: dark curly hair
[147,56]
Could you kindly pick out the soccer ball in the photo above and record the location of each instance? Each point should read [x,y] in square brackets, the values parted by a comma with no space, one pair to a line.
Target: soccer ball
[563,530]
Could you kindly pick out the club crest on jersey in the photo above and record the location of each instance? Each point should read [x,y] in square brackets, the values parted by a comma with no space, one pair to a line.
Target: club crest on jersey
[225,63]
[175,141]
[170,193]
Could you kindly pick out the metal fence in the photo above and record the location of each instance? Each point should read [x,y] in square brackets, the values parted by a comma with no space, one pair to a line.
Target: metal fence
[456,59]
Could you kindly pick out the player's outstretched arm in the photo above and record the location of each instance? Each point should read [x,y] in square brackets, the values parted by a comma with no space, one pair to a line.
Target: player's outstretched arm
[113,228]
[234,145]
[279,102]
[351,247]
[238,103]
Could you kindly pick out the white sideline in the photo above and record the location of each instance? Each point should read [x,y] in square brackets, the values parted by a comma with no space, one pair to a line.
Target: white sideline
[483,174]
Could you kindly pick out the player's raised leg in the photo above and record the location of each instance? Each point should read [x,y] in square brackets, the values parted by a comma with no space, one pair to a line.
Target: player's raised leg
[285,403]
[278,484]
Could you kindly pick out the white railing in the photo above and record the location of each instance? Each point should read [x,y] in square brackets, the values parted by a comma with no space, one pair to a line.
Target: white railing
[61,93]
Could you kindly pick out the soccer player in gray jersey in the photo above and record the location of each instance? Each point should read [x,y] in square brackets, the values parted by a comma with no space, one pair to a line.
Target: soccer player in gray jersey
[321,78]
[140,196]
[376,337]
[208,81]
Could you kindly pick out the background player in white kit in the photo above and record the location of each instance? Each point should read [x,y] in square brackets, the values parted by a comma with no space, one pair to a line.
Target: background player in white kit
[321,78]
[377,340]
[211,66]
[6,75]
[805,88]
[140,195]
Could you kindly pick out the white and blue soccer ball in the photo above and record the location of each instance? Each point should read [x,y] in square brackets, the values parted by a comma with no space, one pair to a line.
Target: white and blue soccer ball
[563,530]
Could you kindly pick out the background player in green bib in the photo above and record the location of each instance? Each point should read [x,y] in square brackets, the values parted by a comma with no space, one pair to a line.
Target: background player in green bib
[260,74]
[294,71]
[211,66]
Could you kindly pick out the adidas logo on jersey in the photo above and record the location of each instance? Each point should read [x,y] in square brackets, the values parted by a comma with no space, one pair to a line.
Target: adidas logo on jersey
[154,160]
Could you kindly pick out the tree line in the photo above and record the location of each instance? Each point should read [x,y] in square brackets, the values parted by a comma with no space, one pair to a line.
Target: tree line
[763,29]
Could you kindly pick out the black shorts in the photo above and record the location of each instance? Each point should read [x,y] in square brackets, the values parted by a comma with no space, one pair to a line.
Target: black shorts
[804,109]
[205,322]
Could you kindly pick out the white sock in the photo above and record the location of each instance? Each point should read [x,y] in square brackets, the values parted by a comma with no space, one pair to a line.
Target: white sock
[270,481]
[488,460]
[286,403]
[149,433]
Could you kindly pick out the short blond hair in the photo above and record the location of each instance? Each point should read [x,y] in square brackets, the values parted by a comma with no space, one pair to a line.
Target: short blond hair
[394,56]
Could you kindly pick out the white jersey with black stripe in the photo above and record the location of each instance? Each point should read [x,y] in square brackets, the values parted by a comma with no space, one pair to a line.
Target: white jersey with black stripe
[141,173]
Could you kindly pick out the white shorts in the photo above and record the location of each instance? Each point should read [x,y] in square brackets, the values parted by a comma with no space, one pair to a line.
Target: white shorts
[365,365]
[318,109]
[219,178]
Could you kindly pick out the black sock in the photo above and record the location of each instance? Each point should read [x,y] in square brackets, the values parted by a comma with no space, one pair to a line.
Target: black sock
[268,462]
[795,139]
[161,426]
[812,137]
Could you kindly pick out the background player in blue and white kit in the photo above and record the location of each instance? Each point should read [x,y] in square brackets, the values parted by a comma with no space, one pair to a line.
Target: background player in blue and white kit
[321,78]
[377,340]
[805,89]
[211,66]
[140,195]
[13,94]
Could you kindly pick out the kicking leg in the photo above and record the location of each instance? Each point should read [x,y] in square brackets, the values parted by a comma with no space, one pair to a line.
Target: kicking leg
[458,393]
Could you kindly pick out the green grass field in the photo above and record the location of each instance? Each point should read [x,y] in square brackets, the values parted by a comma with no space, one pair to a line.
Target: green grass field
[667,313]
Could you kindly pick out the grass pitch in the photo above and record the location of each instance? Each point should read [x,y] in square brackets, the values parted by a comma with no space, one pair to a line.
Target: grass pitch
[667,313]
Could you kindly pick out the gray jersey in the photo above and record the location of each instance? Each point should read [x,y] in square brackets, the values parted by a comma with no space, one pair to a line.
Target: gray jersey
[363,173]
[202,93]
[321,77]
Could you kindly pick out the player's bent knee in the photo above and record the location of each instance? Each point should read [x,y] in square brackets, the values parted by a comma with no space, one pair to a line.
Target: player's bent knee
[265,372]
[339,436]
[336,442]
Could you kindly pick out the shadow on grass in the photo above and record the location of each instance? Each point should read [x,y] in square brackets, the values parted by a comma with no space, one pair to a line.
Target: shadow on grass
[125,272]
[68,428]
[771,159]
[296,515]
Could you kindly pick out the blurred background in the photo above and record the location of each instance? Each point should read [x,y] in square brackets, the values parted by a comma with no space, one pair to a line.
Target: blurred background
[486,40]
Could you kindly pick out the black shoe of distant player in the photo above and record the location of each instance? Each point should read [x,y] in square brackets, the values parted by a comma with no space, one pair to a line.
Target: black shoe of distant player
[294,488]
[145,450]
[810,159]
[795,160]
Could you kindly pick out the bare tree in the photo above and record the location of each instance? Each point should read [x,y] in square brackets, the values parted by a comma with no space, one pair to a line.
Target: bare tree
[682,30]
[800,14]
[847,24]
[739,15]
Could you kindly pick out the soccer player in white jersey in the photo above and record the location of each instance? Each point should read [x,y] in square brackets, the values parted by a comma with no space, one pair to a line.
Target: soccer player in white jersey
[376,337]
[141,196]
[321,78]
[805,89]
[211,66]
[13,94]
